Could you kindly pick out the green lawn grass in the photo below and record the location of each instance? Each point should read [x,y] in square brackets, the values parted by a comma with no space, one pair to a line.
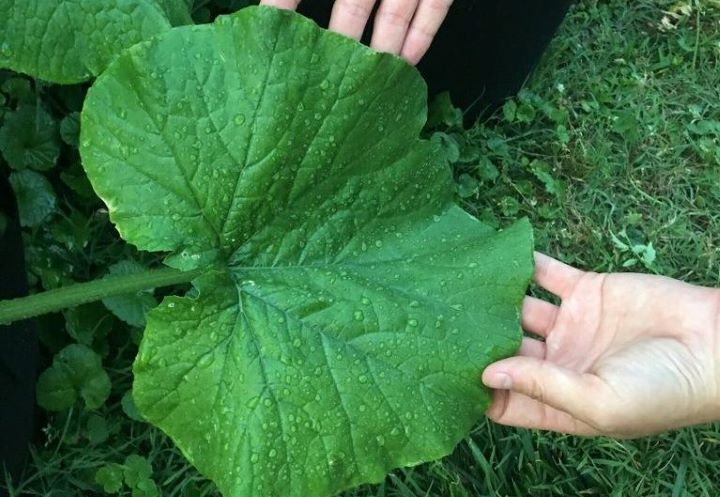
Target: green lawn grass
[613,151]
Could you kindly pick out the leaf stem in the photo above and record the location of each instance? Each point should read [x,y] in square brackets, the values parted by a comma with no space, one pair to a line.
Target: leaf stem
[83,293]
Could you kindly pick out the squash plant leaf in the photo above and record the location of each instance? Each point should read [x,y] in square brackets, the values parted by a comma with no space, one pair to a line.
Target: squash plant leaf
[69,41]
[349,306]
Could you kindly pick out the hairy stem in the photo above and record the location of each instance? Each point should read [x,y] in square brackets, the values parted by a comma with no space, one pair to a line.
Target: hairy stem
[82,293]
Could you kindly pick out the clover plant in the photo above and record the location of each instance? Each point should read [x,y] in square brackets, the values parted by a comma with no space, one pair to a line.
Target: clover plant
[342,307]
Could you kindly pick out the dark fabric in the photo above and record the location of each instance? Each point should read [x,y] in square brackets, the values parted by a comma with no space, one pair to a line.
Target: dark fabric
[485,49]
[18,348]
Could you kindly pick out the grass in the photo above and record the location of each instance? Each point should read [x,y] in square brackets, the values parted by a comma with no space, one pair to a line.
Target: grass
[613,151]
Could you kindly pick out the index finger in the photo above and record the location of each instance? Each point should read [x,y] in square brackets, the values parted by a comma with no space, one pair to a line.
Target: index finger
[555,276]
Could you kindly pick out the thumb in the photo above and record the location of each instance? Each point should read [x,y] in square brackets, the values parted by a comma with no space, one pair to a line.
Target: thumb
[549,384]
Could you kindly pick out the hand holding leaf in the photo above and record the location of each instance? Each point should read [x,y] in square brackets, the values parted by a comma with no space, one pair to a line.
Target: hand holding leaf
[624,355]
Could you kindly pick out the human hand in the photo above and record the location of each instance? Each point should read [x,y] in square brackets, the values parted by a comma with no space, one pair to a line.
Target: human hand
[624,355]
[402,27]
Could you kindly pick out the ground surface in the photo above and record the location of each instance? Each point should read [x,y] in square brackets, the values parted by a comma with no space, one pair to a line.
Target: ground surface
[613,151]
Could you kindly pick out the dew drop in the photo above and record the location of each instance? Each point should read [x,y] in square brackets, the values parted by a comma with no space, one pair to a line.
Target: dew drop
[358,315]
[206,360]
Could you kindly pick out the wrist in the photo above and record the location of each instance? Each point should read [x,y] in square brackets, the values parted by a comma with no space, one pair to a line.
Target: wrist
[697,310]
[715,343]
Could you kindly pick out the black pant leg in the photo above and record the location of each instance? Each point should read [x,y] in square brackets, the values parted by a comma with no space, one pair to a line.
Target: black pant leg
[18,347]
[485,49]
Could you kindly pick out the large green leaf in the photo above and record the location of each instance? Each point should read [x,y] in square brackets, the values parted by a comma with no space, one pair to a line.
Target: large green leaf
[349,306]
[69,41]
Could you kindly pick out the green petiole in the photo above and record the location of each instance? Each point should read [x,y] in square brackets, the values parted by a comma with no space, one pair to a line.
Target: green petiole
[83,293]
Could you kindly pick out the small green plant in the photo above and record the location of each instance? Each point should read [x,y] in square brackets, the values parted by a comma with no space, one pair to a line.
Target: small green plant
[342,305]
[135,474]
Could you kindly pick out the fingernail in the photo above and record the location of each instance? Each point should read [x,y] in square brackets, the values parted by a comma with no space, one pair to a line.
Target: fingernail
[500,381]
